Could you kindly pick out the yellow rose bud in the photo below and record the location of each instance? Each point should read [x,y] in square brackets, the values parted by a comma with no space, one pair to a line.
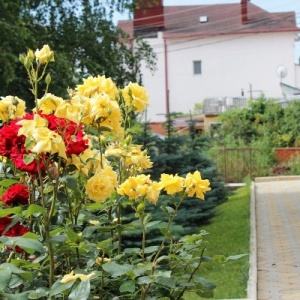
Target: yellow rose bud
[48,79]
[140,208]
[44,55]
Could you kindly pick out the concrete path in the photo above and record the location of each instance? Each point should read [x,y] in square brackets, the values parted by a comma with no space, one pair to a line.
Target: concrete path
[275,215]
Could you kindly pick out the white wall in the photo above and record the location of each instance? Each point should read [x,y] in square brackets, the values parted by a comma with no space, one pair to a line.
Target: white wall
[229,64]
[297,76]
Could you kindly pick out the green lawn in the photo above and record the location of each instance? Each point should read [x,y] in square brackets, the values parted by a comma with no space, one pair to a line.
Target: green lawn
[229,234]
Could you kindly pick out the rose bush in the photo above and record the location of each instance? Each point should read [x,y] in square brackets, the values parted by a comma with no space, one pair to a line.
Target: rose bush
[71,170]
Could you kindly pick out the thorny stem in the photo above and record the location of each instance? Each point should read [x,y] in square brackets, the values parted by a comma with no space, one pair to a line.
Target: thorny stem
[161,247]
[192,274]
[47,227]
[119,208]
[144,234]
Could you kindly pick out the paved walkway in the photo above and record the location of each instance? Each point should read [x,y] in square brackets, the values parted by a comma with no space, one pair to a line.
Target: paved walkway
[276,208]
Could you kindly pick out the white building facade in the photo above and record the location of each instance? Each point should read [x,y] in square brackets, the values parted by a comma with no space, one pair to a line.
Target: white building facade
[213,51]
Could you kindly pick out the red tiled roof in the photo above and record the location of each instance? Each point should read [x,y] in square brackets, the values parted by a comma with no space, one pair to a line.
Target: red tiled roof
[158,128]
[183,21]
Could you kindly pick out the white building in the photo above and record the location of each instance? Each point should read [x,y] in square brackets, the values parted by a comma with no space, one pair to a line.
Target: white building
[212,51]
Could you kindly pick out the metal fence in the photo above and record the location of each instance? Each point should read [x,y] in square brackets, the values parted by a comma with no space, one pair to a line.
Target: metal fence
[236,164]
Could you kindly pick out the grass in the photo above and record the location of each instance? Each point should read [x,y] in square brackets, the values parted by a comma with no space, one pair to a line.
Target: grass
[229,234]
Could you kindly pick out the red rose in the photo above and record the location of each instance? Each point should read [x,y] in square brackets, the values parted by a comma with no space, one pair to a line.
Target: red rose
[72,134]
[16,194]
[18,160]
[76,144]
[10,142]
[16,230]
[4,222]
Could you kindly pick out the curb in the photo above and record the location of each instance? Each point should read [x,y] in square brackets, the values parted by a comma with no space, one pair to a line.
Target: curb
[276,178]
[252,281]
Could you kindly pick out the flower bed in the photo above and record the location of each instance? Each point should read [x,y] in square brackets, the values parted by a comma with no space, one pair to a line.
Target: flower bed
[69,170]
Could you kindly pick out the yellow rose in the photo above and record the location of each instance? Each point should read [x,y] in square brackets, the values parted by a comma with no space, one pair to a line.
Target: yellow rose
[128,188]
[47,141]
[171,184]
[136,96]
[140,187]
[45,55]
[102,108]
[49,103]
[114,149]
[4,115]
[153,192]
[194,184]
[94,222]
[101,186]
[72,277]
[138,159]
[11,108]
[102,260]
[29,125]
[70,110]
[98,85]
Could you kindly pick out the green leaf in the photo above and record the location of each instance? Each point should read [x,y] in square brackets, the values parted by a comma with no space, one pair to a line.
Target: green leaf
[35,210]
[166,232]
[38,293]
[168,210]
[115,269]
[20,296]
[5,277]
[29,158]
[94,206]
[235,257]
[59,238]
[58,287]
[167,282]
[29,244]
[144,280]
[31,235]
[71,182]
[166,274]
[219,258]
[150,249]
[164,257]
[73,236]
[11,211]
[12,268]
[16,281]
[206,284]
[127,286]
[82,291]
[8,182]
[150,224]
[141,268]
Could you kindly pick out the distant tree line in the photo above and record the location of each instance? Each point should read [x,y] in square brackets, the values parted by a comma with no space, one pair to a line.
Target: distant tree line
[82,34]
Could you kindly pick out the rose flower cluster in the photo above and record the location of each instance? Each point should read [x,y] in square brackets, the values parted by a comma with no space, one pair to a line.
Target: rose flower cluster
[53,136]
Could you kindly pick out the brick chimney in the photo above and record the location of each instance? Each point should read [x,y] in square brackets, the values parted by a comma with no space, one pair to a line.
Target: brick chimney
[149,16]
[244,11]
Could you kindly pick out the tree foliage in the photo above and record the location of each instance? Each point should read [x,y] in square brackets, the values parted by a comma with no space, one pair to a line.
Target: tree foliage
[262,119]
[86,40]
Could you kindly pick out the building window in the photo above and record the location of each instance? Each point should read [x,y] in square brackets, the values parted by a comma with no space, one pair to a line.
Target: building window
[197,67]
